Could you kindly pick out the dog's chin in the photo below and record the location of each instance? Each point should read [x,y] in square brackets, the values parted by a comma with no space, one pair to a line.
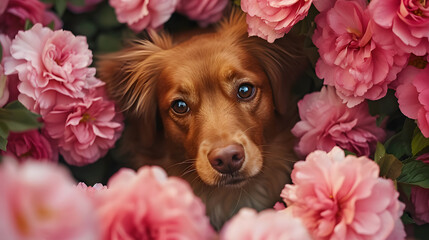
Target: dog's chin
[232,180]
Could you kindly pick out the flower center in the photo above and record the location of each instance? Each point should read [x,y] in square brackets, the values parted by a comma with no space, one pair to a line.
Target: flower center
[85,118]
[419,62]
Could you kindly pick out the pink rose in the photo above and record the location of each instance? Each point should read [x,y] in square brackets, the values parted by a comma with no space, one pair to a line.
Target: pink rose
[356,56]
[268,224]
[142,14]
[86,129]
[31,145]
[52,66]
[39,201]
[412,94]
[407,20]
[327,122]
[273,19]
[148,205]
[203,11]
[14,13]
[340,197]
[88,6]
[420,200]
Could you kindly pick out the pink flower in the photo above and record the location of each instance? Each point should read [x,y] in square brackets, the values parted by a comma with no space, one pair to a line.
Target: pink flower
[340,197]
[14,13]
[407,20]
[52,66]
[413,96]
[95,193]
[88,6]
[148,205]
[203,11]
[268,224]
[31,145]
[327,122]
[420,200]
[142,14]
[4,83]
[39,201]
[84,130]
[323,5]
[273,19]
[356,56]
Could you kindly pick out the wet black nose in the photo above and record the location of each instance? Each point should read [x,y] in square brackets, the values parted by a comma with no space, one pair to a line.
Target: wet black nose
[227,159]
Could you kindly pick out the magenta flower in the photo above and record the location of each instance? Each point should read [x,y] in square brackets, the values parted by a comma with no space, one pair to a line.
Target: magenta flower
[14,13]
[52,66]
[327,122]
[39,201]
[31,145]
[203,11]
[340,197]
[268,224]
[88,6]
[357,57]
[407,20]
[148,205]
[273,19]
[420,200]
[412,94]
[142,14]
[84,130]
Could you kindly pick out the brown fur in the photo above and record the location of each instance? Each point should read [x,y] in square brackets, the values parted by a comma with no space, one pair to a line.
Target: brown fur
[205,71]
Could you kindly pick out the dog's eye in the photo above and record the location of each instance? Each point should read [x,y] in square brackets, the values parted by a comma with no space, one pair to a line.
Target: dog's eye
[245,91]
[180,107]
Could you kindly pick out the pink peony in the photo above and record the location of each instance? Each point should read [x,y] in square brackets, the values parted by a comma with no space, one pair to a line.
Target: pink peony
[327,122]
[268,224]
[52,66]
[39,201]
[31,145]
[340,197]
[14,13]
[148,205]
[407,20]
[273,19]
[142,14]
[356,56]
[323,5]
[88,6]
[412,94]
[84,130]
[203,11]
[95,193]
[420,200]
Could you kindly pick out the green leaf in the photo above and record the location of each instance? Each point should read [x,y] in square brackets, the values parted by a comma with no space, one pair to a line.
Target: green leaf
[390,166]
[385,106]
[399,144]
[406,219]
[60,7]
[237,2]
[78,3]
[380,152]
[419,142]
[28,24]
[16,118]
[51,25]
[415,172]
[3,143]
[48,1]
[347,152]
[105,17]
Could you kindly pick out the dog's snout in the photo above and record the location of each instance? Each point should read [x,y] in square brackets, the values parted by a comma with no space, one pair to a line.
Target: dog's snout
[227,159]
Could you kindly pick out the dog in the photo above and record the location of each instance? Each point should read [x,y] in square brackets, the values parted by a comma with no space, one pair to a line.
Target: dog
[214,109]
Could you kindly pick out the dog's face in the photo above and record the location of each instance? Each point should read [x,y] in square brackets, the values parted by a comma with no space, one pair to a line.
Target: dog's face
[215,100]
[216,96]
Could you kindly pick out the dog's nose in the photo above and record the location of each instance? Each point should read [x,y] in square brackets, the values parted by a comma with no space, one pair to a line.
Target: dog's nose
[227,159]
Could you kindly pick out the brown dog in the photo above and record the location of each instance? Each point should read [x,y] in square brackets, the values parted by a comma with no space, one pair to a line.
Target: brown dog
[214,109]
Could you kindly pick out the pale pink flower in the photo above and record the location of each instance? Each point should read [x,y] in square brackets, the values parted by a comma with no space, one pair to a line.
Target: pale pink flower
[327,122]
[86,129]
[203,11]
[407,20]
[342,197]
[273,19]
[52,66]
[420,200]
[357,57]
[148,205]
[4,83]
[412,94]
[39,201]
[95,193]
[31,145]
[142,14]
[89,5]
[14,13]
[268,224]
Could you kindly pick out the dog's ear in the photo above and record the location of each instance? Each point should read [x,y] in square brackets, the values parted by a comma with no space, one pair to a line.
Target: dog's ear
[131,77]
[283,61]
